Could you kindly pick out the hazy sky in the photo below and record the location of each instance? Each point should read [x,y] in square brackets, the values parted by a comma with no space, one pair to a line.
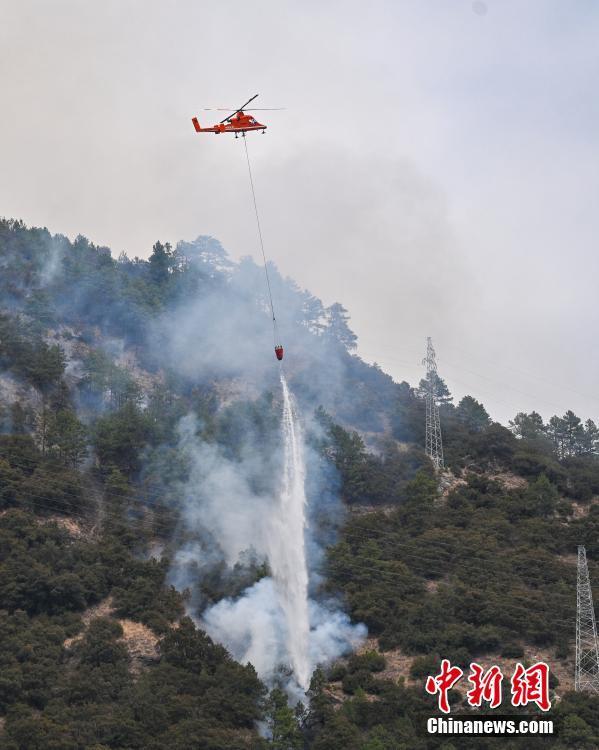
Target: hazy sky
[436,169]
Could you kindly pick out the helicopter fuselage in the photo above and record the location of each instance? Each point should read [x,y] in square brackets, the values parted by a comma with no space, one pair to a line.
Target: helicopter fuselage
[240,123]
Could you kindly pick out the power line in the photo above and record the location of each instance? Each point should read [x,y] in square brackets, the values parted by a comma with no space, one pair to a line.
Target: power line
[147,497]
[382,571]
[156,524]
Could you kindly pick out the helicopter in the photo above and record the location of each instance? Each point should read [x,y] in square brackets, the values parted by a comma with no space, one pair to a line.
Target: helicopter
[236,122]
[241,122]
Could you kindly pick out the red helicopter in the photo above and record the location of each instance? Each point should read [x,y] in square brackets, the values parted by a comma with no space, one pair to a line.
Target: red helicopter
[237,122]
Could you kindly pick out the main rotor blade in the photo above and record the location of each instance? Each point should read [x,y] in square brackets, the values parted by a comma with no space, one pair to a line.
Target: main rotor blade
[253,109]
[239,109]
[243,106]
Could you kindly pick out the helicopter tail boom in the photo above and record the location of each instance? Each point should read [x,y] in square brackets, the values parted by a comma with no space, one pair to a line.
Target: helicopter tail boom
[214,129]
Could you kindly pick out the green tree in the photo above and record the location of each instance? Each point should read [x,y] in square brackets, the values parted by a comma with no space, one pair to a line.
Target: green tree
[338,732]
[337,327]
[320,710]
[162,262]
[191,649]
[442,392]
[556,431]
[422,490]
[66,437]
[42,427]
[10,484]
[589,441]
[567,434]
[574,433]
[20,418]
[46,366]
[528,426]
[102,376]
[119,437]
[101,644]
[472,414]
[577,734]
[541,497]
[283,723]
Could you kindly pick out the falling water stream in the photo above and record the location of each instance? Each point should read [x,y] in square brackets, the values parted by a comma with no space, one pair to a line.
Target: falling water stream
[288,551]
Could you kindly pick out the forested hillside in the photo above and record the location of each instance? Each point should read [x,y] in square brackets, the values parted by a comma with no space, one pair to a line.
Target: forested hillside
[123,383]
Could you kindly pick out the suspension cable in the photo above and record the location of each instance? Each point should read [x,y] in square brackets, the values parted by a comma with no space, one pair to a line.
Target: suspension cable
[272,308]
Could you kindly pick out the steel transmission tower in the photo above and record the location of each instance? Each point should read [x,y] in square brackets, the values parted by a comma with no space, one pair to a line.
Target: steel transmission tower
[587,652]
[434,444]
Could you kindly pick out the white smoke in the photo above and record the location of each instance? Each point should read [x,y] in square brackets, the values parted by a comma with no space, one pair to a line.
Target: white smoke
[273,623]
[254,629]
[219,498]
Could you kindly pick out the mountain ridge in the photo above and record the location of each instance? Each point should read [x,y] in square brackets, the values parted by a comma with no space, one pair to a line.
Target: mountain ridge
[102,359]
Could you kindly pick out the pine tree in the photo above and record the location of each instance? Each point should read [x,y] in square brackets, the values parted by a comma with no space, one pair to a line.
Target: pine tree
[473,414]
[66,437]
[528,426]
[573,433]
[161,262]
[442,392]
[337,326]
[283,723]
[556,431]
[589,441]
